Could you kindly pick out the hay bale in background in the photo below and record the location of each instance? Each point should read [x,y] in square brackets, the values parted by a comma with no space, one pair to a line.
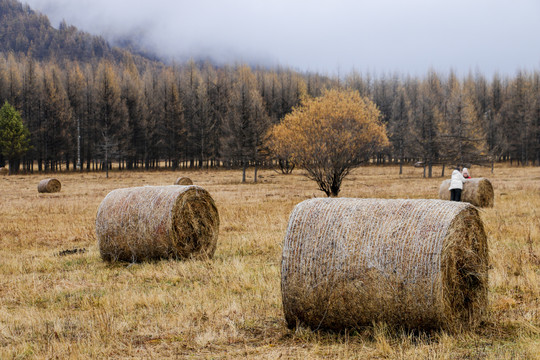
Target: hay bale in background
[477,191]
[4,171]
[183,181]
[155,222]
[411,263]
[49,186]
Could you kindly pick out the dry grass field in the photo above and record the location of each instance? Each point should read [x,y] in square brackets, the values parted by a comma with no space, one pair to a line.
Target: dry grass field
[57,304]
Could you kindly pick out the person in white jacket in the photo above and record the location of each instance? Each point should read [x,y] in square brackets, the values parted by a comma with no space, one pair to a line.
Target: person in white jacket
[456,185]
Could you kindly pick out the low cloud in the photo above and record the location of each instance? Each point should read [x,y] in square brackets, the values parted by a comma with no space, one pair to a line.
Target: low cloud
[316,35]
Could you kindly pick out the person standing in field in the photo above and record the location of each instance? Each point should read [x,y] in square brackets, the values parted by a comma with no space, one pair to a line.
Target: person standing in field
[456,185]
[465,173]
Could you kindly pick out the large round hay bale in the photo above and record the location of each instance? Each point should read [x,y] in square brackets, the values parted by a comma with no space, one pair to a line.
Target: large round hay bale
[49,186]
[4,171]
[411,263]
[156,222]
[183,181]
[477,191]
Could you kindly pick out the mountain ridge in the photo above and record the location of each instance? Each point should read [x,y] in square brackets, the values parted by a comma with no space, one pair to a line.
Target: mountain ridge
[29,32]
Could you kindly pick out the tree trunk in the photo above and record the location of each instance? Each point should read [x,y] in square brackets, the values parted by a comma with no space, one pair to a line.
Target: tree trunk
[334,191]
[106,163]
[13,166]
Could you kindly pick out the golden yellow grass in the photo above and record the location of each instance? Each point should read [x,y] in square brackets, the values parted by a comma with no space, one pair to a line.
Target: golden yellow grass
[77,306]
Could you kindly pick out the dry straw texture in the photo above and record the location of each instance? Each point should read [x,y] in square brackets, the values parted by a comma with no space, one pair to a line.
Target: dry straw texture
[49,186]
[155,222]
[411,263]
[477,191]
[4,171]
[183,181]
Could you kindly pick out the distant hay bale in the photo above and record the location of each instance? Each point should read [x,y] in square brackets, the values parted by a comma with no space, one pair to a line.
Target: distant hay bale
[411,263]
[49,186]
[183,181]
[477,191]
[156,222]
[4,171]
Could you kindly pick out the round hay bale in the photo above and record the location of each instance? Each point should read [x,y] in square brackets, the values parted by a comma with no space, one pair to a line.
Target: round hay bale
[183,181]
[477,191]
[411,263]
[156,222]
[49,186]
[4,171]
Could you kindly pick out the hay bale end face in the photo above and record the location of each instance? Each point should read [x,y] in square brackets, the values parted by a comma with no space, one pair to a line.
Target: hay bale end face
[411,263]
[49,186]
[157,222]
[183,181]
[477,191]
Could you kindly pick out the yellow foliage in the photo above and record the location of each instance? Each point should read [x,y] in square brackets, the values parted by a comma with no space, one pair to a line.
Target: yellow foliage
[329,135]
[339,123]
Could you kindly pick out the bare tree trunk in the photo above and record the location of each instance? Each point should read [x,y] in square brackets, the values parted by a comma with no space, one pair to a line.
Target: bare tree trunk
[107,162]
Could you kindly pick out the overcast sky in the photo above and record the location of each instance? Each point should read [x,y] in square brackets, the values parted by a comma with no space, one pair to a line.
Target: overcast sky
[330,36]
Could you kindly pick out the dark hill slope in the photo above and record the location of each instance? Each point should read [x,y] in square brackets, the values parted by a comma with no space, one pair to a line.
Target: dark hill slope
[25,31]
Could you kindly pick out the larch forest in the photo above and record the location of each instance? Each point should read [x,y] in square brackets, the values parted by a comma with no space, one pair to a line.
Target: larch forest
[90,104]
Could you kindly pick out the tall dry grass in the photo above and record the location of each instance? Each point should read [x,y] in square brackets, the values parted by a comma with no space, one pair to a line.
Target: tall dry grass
[77,307]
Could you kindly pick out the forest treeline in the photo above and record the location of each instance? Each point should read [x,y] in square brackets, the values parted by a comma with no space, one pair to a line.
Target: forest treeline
[204,115]
[85,102]
[191,114]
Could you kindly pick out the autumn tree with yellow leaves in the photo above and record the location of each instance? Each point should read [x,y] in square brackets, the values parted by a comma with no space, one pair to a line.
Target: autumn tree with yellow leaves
[329,136]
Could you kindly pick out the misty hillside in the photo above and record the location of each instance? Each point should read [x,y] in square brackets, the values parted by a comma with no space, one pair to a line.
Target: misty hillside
[25,31]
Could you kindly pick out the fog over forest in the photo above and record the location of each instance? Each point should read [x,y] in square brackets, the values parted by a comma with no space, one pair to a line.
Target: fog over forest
[329,37]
